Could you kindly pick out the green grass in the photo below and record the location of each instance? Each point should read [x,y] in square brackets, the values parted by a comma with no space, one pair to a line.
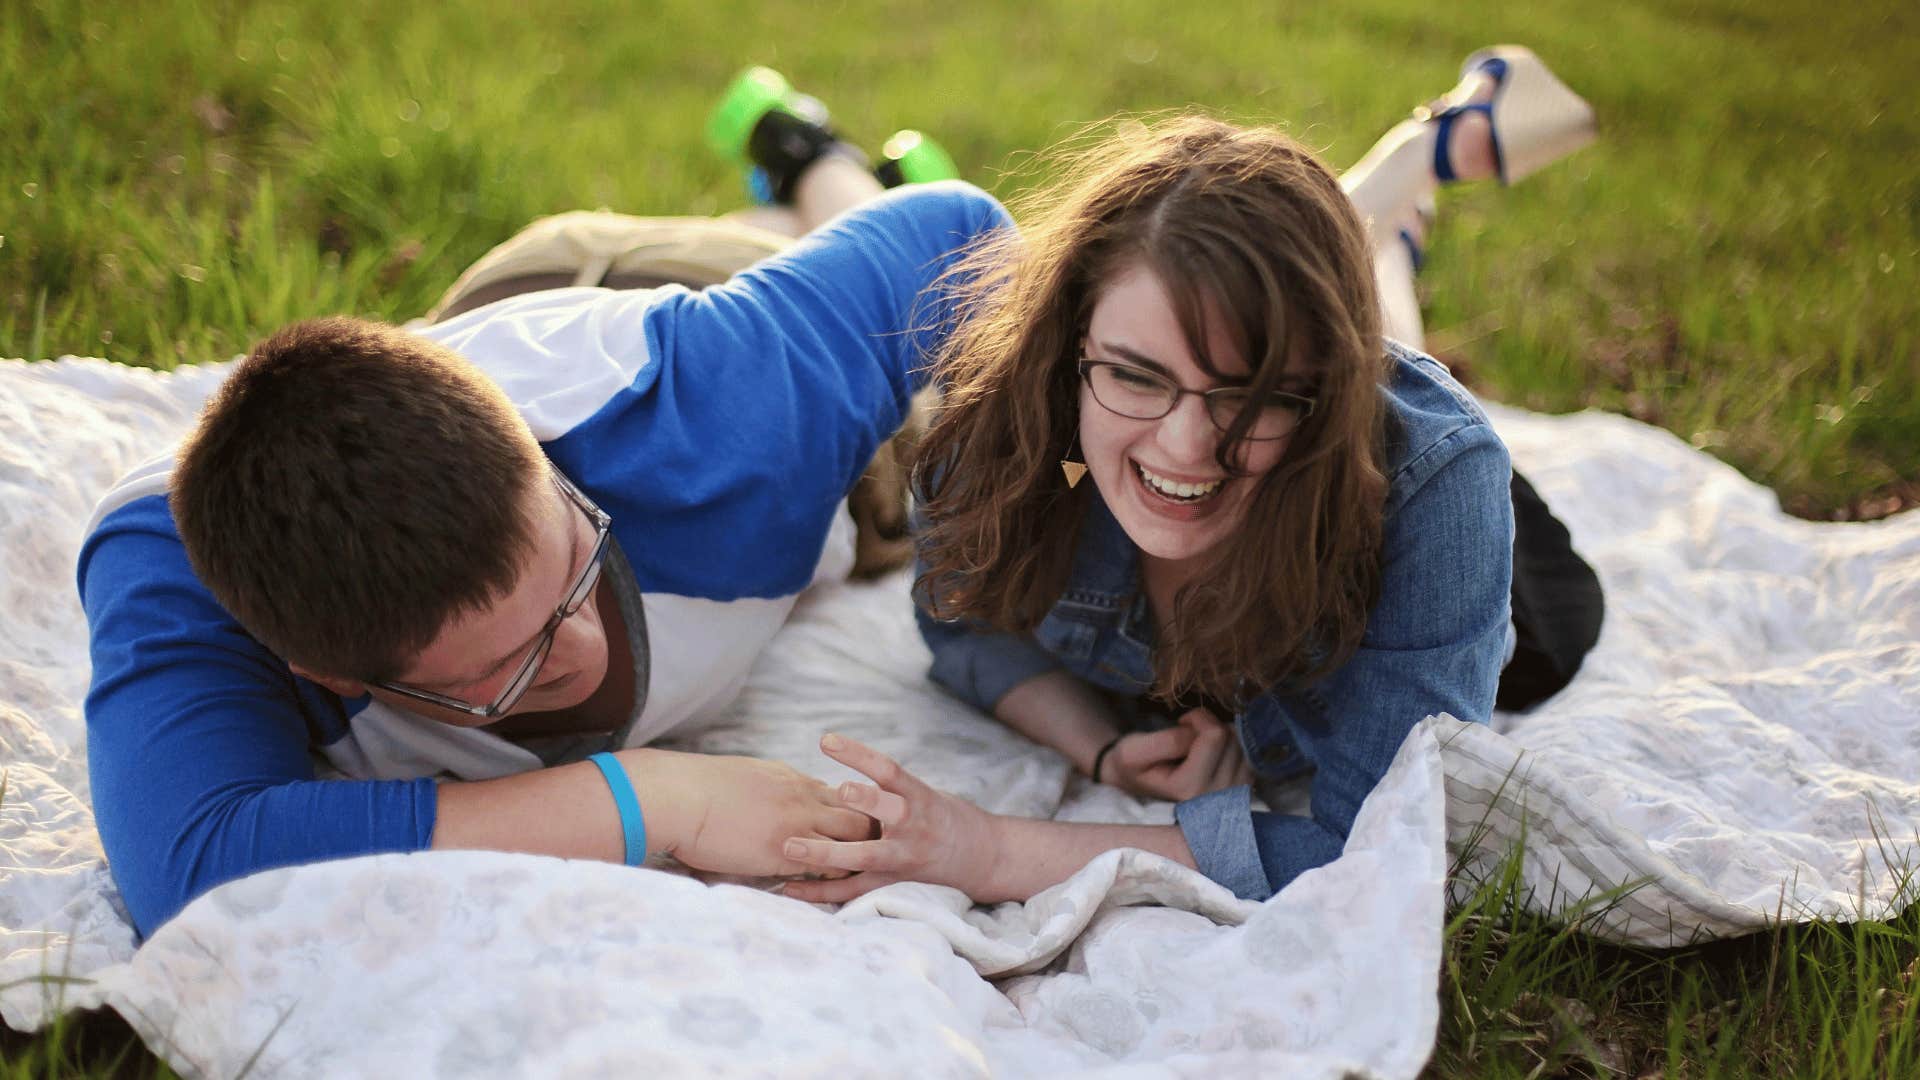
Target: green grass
[91,1044]
[1526,996]
[1737,260]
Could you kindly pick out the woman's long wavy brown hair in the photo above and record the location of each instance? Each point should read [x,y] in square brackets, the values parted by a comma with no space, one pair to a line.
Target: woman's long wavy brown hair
[1242,221]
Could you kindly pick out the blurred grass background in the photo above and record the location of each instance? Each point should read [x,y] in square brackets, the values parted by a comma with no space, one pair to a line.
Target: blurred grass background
[1737,260]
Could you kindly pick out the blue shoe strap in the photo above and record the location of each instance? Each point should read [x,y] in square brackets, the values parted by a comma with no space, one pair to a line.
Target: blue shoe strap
[1443,135]
[1496,68]
[1414,252]
[1442,163]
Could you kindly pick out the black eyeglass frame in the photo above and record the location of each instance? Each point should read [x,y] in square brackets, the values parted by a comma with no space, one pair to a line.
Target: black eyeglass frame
[576,598]
[1300,402]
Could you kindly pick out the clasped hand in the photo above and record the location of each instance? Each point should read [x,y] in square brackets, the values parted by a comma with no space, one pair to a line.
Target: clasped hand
[925,835]
[731,815]
[1198,754]
[859,837]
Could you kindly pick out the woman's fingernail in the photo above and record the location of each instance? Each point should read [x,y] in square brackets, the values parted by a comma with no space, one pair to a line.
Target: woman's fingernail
[829,742]
[796,849]
[849,791]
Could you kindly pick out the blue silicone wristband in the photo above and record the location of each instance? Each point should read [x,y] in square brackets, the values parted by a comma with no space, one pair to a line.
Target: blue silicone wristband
[632,825]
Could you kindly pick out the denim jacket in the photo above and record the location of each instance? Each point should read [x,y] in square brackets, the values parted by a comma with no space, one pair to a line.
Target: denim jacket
[1435,641]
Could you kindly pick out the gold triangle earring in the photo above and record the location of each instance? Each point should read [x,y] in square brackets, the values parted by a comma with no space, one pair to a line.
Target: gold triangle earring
[1073,470]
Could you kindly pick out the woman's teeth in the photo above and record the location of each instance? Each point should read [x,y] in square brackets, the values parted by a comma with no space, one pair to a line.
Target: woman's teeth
[1173,489]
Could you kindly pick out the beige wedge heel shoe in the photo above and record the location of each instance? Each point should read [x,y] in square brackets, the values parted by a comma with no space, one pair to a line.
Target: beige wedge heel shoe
[1536,118]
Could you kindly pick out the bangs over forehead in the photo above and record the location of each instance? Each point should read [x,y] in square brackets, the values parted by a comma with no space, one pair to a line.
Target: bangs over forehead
[1216,284]
[1229,265]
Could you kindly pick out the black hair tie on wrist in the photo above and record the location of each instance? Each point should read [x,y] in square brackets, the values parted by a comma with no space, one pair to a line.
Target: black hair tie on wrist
[1101,757]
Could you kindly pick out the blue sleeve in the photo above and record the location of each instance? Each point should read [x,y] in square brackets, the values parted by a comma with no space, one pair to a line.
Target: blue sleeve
[196,743]
[775,389]
[1434,643]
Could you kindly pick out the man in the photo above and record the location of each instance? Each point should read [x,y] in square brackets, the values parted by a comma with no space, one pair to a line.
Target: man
[561,523]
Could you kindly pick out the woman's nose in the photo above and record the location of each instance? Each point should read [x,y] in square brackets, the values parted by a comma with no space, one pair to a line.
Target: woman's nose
[1187,434]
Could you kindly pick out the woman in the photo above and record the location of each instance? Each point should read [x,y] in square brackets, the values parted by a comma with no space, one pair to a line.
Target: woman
[1294,528]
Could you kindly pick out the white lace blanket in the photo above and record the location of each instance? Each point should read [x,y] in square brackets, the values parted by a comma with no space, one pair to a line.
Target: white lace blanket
[1749,721]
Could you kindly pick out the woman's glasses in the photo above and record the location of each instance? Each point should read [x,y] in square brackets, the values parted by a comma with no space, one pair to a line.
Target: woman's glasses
[1138,394]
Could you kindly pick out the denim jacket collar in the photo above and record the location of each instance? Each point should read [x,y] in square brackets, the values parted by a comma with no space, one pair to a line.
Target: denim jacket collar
[1106,566]
[1103,586]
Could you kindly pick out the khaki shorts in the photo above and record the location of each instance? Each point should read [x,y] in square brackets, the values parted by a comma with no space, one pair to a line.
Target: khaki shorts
[622,251]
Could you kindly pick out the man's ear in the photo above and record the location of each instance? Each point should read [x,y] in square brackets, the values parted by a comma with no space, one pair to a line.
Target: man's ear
[346,688]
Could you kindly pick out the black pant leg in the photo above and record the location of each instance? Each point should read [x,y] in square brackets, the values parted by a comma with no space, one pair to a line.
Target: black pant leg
[1557,604]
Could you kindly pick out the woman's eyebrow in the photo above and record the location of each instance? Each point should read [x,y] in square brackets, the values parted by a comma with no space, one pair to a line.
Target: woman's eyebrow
[1141,360]
[1136,358]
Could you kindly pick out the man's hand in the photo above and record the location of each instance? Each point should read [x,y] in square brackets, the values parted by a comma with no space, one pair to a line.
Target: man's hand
[731,815]
[1198,755]
[925,835]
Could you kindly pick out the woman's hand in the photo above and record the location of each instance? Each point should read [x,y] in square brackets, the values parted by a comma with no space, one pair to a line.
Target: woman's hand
[1198,755]
[925,835]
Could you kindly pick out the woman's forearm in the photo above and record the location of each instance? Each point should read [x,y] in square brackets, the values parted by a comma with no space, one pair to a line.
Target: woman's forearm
[928,835]
[1032,855]
[1058,710]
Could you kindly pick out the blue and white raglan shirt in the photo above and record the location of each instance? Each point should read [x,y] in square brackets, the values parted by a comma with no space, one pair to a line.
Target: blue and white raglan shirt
[721,431]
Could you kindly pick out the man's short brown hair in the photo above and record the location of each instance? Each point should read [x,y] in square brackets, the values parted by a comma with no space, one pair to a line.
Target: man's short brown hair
[350,488]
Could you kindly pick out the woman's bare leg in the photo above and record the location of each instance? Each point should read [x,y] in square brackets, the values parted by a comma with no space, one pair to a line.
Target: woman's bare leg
[1388,184]
[1393,272]
[1389,180]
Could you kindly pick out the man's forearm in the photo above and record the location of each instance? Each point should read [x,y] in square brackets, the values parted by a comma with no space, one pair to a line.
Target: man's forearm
[1033,855]
[566,810]
[1061,711]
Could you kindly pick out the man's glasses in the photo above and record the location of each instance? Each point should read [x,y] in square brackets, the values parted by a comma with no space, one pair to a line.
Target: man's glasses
[1139,394]
[576,598]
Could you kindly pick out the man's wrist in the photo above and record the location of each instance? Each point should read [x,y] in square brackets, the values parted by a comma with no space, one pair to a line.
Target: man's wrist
[662,800]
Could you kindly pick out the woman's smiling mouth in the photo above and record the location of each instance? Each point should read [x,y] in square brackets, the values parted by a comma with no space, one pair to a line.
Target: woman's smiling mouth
[1181,491]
